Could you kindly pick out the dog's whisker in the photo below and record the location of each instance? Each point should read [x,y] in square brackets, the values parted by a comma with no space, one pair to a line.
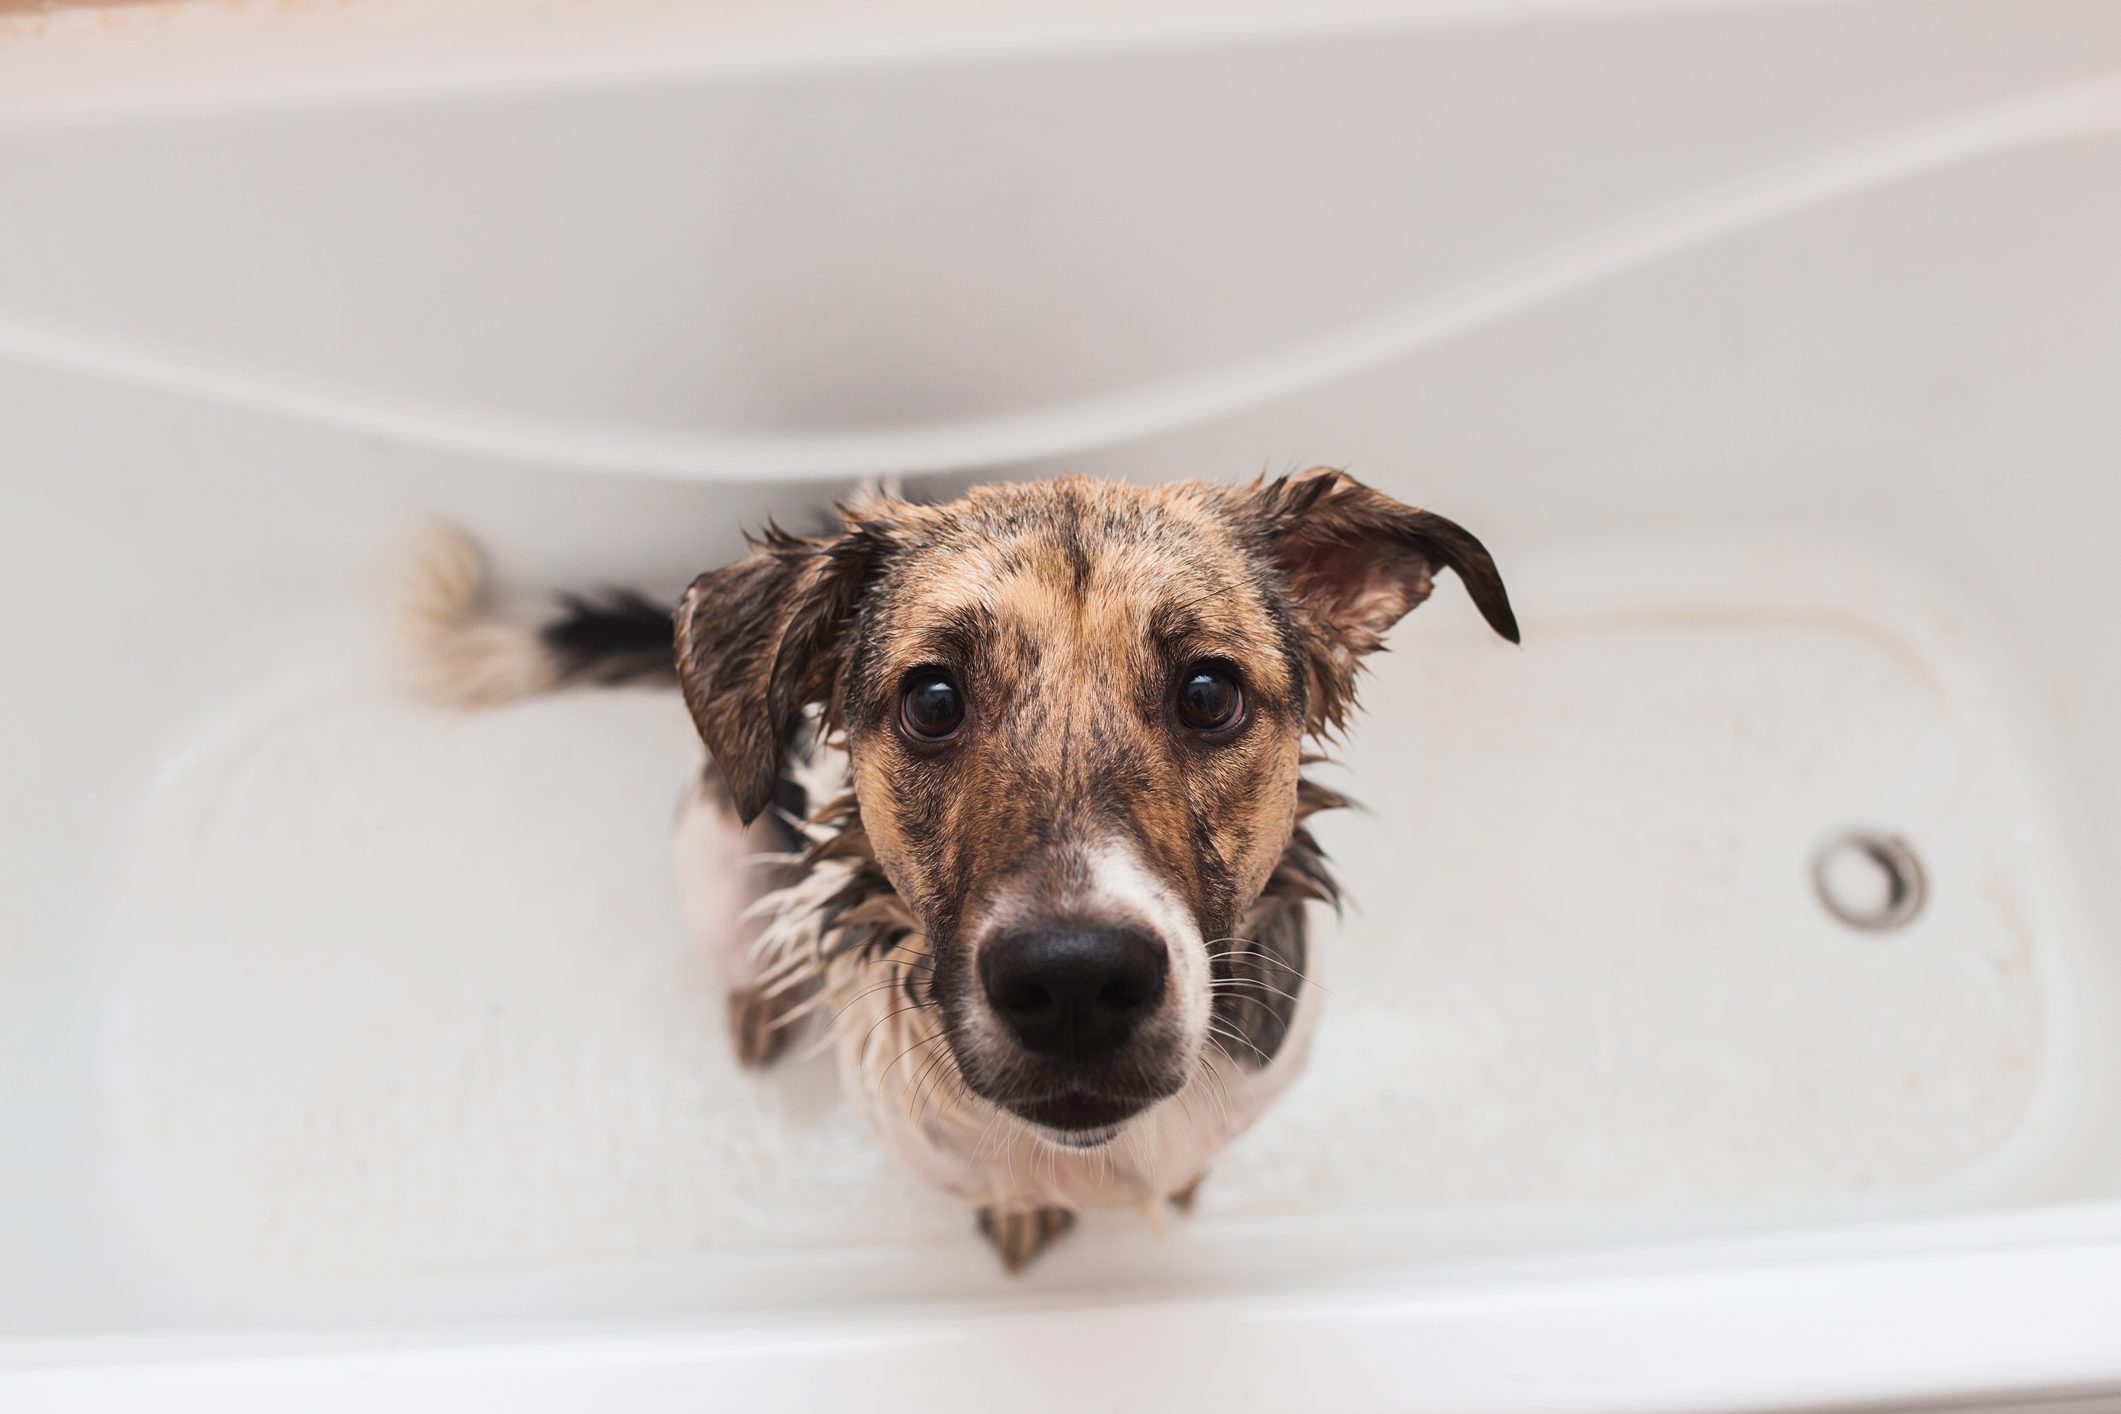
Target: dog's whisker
[896,1011]
[879,1022]
[1232,1035]
[961,1096]
[1220,984]
[909,1090]
[1253,955]
[1296,973]
[1221,1088]
[985,1148]
[895,984]
[885,1073]
[1251,951]
[913,1104]
[942,1069]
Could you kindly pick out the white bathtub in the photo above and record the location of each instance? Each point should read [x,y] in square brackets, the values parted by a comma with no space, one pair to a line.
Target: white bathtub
[351,1056]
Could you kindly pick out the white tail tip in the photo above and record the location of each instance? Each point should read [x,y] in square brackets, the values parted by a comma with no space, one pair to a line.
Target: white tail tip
[454,650]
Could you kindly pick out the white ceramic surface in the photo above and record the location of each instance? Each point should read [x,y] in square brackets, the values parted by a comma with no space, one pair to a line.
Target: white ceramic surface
[351,1055]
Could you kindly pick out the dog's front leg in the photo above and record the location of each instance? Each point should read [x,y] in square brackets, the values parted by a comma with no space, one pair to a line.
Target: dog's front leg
[1019,1235]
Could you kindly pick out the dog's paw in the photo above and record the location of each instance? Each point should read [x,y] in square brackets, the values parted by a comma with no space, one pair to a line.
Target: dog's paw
[758,1027]
[1183,1199]
[1019,1235]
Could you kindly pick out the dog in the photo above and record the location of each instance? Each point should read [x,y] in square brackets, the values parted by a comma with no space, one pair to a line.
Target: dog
[1027,767]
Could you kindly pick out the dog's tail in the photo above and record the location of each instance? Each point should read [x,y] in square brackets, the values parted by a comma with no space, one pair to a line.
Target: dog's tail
[457,650]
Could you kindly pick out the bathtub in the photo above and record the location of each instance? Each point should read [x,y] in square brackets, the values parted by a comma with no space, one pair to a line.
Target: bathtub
[351,1055]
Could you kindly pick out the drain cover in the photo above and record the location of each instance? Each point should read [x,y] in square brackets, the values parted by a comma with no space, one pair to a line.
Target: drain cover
[1870,880]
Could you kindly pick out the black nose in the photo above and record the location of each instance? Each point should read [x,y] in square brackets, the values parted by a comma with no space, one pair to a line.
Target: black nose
[1075,992]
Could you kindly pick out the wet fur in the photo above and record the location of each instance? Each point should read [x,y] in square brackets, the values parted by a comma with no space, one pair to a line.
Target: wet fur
[1067,608]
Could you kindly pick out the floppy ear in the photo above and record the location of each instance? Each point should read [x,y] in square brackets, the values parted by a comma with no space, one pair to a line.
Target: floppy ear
[1354,562]
[759,640]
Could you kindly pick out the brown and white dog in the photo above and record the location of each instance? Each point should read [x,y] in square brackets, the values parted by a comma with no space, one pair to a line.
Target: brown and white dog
[1032,762]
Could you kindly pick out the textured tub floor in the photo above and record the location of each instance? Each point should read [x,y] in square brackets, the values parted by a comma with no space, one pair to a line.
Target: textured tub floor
[408,992]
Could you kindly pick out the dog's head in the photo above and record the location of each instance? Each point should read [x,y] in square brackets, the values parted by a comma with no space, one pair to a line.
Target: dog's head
[1074,711]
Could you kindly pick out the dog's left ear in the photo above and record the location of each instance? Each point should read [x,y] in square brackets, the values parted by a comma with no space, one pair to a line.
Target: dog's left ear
[1354,562]
[760,640]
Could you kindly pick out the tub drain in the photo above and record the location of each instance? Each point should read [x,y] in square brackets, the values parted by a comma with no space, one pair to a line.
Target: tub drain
[1870,881]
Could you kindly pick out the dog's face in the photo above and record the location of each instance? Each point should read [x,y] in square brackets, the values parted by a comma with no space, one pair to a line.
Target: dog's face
[1074,711]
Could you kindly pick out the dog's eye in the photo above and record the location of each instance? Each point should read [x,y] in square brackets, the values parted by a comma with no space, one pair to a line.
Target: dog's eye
[930,706]
[1209,699]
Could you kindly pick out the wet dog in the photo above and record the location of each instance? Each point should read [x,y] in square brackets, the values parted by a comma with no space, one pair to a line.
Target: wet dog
[1030,765]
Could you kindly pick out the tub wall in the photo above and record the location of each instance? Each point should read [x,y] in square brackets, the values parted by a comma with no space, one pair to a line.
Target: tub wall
[1833,274]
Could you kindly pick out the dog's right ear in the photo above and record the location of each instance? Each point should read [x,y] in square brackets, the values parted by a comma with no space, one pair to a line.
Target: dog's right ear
[759,640]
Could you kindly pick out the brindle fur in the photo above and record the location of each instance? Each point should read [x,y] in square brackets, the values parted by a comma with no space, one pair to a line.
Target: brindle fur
[1065,610]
